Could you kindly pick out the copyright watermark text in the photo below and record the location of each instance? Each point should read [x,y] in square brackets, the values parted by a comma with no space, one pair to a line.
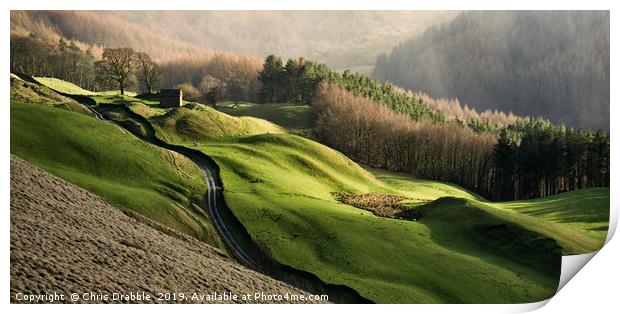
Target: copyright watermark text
[166,297]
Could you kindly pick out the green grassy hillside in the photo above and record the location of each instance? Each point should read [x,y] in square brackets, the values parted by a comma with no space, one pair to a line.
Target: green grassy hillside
[578,220]
[280,187]
[33,93]
[109,162]
[188,125]
[115,98]
[585,210]
[70,88]
[421,190]
[295,117]
[63,86]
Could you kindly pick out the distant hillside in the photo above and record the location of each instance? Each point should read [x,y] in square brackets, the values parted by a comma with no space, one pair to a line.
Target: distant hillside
[343,39]
[549,63]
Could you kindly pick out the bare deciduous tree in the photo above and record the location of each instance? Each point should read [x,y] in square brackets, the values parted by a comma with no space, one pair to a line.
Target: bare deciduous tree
[375,135]
[116,65]
[148,70]
[212,89]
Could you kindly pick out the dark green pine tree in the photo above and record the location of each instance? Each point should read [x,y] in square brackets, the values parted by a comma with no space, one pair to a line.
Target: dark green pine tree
[528,166]
[597,165]
[271,78]
[602,142]
[504,161]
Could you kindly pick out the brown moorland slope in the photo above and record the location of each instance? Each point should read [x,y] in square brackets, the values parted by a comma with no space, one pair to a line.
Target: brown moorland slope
[67,240]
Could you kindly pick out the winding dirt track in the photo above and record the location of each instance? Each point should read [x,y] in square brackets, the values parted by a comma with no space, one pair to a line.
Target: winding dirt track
[219,223]
[211,198]
[65,239]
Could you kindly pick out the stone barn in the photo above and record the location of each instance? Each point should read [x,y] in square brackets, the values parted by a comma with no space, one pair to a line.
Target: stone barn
[169,98]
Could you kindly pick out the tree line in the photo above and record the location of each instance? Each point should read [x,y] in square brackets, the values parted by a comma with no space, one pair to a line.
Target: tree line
[215,76]
[297,80]
[532,158]
[464,113]
[118,68]
[497,155]
[33,55]
[208,78]
[380,137]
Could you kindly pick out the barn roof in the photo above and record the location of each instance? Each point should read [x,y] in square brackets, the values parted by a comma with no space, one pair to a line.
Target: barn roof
[170,92]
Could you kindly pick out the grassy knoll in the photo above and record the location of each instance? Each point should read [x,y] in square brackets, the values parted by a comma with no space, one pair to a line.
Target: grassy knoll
[33,93]
[188,125]
[146,110]
[70,88]
[109,162]
[191,124]
[280,187]
[420,190]
[578,220]
[585,210]
[295,117]
[115,98]
[63,86]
